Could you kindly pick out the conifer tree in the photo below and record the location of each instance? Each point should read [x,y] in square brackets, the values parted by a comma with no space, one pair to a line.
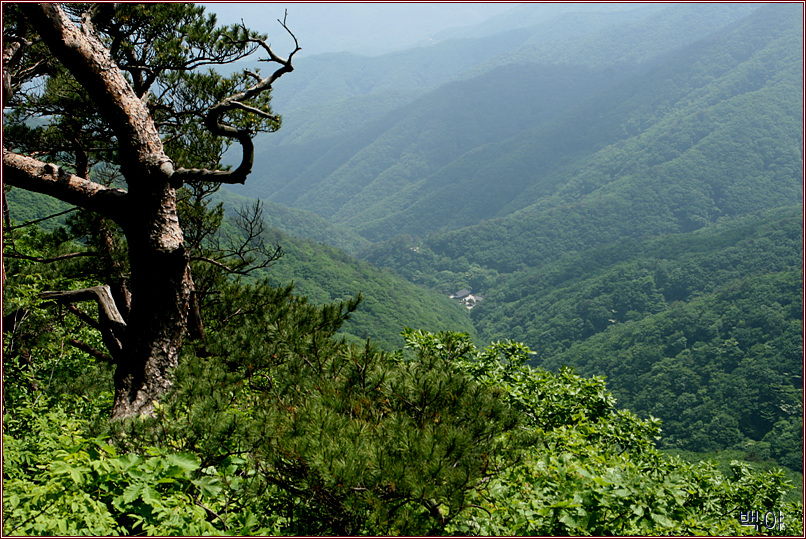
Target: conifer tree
[110,109]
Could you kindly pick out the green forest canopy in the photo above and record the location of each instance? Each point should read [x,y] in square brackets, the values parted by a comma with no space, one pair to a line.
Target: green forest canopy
[277,424]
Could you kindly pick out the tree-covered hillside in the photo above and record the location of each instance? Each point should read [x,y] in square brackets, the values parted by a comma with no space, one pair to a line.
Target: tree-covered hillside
[389,304]
[712,130]
[320,272]
[485,144]
[542,277]
[660,204]
[703,330]
[297,223]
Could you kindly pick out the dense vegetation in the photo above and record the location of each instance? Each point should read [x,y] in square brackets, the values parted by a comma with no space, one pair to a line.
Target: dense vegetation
[703,330]
[637,235]
[274,426]
[318,271]
[622,184]
[324,274]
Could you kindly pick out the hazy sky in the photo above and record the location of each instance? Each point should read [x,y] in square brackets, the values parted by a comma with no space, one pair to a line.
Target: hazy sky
[363,28]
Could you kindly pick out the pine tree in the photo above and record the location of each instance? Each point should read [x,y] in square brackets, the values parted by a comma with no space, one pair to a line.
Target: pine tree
[103,96]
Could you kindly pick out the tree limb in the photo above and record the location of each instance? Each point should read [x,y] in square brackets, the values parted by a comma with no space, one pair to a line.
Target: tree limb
[91,63]
[112,325]
[48,260]
[87,319]
[216,263]
[94,352]
[46,178]
[101,294]
[213,119]
[35,221]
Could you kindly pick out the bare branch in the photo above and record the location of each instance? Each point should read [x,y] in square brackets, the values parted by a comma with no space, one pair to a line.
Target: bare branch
[101,294]
[97,354]
[49,260]
[112,325]
[35,221]
[241,251]
[254,110]
[213,119]
[215,263]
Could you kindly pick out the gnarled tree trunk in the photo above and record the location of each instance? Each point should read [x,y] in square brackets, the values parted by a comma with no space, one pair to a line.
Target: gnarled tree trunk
[144,337]
[160,280]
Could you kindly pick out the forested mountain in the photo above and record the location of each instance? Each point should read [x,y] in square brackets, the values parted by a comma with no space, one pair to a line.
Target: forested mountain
[298,223]
[320,272]
[703,330]
[672,156]
[381,176]
[605,180]
[577,235]
[390,303]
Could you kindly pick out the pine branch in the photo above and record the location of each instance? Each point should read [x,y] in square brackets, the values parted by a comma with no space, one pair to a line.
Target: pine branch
[110,322]
[35,221]
[213,119]
[98,354]
[46,178]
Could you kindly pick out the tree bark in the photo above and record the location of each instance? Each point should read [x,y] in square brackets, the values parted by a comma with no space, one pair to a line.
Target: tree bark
[150,337]
[144,336]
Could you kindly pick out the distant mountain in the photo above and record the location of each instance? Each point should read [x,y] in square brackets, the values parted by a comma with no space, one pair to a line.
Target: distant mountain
[620,187]
[365,28]
[378,151]
[714,130]
[299,224]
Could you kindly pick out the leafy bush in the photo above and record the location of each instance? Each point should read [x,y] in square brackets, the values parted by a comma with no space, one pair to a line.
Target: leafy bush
[275,426]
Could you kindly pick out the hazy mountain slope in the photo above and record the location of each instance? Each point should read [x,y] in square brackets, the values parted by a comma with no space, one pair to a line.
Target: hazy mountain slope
[636,35]
[325,274]
[715,130]
[336,105]
[297,223]
[366,28]
[342,177]
[548,16]
[337,108]
[332,78]
[434,131]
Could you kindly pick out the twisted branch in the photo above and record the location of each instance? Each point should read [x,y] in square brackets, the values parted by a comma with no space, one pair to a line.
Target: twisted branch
[215,125]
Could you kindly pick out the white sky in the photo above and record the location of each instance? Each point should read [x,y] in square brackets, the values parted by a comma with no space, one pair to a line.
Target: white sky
[368,28]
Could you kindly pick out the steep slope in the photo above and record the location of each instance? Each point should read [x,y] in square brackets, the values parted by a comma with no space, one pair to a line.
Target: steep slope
[703,330]
[652,234]
[296,223]
[390,303]
[338,104]
[633,34]
[360,131]
[715,130]
[433,132]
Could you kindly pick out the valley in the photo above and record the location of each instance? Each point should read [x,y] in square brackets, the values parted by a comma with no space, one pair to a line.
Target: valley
[491,269]
[607,189]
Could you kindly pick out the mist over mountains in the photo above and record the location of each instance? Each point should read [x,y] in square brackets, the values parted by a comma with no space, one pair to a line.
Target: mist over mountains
[382,143]
[622,184]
